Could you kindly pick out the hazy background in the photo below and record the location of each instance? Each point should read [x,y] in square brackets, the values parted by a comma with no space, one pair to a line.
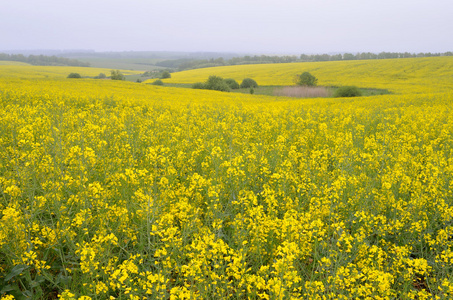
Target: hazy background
[258,26]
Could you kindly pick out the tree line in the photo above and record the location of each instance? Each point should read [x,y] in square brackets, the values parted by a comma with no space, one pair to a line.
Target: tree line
[368,55]
[43,60]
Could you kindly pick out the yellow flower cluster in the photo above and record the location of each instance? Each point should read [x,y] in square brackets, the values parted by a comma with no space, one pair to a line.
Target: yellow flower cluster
[116,190]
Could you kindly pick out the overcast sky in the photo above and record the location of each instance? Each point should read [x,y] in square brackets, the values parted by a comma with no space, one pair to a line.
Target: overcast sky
[258,26]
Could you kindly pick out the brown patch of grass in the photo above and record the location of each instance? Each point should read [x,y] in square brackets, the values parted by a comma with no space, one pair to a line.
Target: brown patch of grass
[303,91]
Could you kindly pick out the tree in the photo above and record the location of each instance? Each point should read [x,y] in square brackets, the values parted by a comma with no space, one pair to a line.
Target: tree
[348,91]
[348,56]
[233,84]
[157,82]
[117,75]
[306,79]
[248,83]
[217,83]
[165,74]
[199,85]
[74,75]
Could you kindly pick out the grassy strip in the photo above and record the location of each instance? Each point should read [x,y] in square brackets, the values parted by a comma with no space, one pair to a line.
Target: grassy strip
[274,90]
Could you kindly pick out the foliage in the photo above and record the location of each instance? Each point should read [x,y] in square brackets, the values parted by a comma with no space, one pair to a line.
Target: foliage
[248,83]
[199,85]
[117,75]
[216,83]
[43,60]
[233,84]
[262,59]
[74,75]
[306,79]
[187,63]
[101,76]
[348,91]
[157,82]
[152,74]
[165,74]
[213,83]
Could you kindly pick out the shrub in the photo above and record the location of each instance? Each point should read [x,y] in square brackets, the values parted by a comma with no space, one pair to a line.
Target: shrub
[157,82]
[198,85]
[152,74]
[117,75]
[101,76]
[165,74]
[217,83]
[306,79]
[249,83]
[74,75]
[348,91]
[233,84]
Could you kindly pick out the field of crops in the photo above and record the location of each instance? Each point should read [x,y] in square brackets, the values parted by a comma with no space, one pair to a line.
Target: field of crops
[403,76]
[120,190]
[21,70]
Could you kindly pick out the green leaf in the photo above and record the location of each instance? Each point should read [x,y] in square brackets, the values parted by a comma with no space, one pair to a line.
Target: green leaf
[62,279]
[27,294]
[37,282]
[15,271]
[8,288]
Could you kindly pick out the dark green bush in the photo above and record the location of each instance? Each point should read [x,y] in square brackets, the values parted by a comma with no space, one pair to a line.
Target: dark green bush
[117,75]
[101,76]
[306,79]
[74,75]
[347,91]
[157,82]
[165,74]
[217,83]
[233,84]
[198,85]
[249,83]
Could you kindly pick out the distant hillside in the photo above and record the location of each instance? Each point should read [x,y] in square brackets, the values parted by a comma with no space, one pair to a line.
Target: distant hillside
[43,60]
[408,75]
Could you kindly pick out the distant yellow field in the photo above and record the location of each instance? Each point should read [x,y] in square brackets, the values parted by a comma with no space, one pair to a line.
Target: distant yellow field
[13,63]
[23,70]
[411,75]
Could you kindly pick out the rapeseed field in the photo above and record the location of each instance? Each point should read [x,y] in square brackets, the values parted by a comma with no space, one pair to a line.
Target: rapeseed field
[21,70]
[402,76]
[119,190]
